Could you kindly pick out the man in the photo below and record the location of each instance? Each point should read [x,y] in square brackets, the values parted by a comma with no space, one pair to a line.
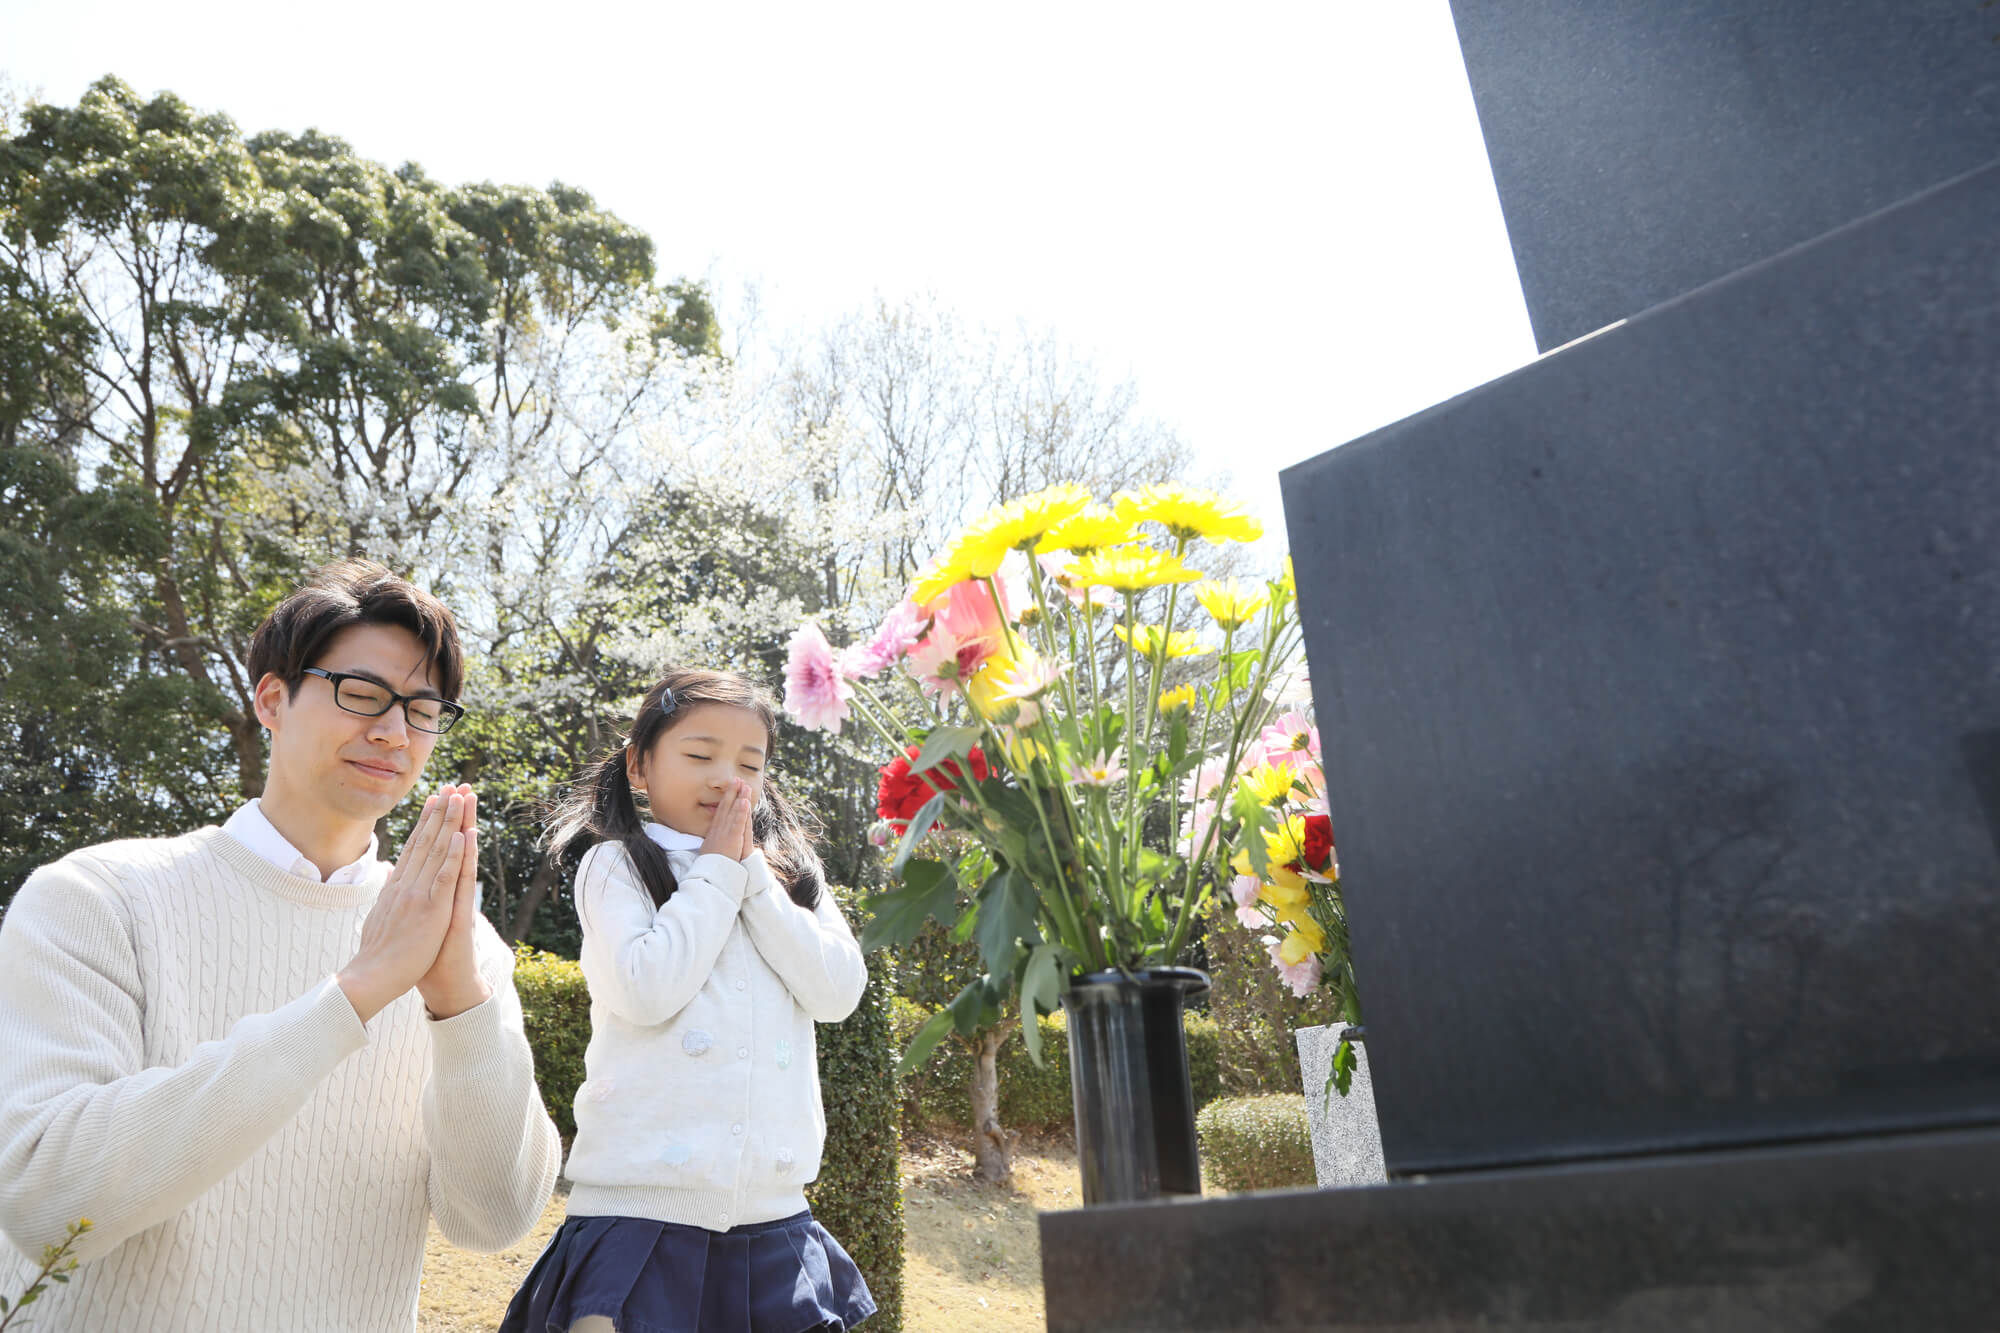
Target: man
[256,1057]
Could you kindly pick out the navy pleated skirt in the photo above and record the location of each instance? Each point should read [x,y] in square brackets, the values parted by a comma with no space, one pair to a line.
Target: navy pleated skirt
[787,1276]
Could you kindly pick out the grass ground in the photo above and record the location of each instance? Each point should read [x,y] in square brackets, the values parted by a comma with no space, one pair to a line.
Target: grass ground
[972,1257]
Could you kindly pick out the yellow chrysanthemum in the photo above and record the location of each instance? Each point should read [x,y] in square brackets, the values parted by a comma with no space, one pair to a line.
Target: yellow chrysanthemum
[984,690]
[1188,513]
[1089,529]
[1285,844]
[1284,886]
[1179,697]
[1146,640]
[1270,784]
[1299,946]
[1130,569]
[1019,523]
[1286,891]
[1022,750]
[1232,604]
[1288,587]
[946,572]
[1009,689]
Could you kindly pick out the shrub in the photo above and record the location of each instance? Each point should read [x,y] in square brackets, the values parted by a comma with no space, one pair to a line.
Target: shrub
[1031,1097]
[555,1009]
[859,1193]
[1257,1143]
[858,1196]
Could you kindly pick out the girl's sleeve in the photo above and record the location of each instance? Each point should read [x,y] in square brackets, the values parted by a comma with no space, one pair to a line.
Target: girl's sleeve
[811,949]
[645,964]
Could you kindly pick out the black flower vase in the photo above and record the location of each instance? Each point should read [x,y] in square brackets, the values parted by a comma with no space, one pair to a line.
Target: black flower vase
[1128,1078]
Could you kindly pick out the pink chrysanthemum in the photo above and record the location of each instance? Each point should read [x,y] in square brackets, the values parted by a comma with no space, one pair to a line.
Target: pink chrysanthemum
[1199,818]
[1303,978]
[815,694]
[1244,889]
[942,661]
[898,634]
[1291,740]
[1201,784]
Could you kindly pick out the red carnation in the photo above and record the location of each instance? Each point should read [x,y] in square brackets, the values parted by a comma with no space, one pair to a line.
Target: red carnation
[1318,847]
[903,793]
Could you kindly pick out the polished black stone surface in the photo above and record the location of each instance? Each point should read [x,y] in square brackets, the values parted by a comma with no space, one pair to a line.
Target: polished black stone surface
[1874,1236]
[1644,148]
[1659,685]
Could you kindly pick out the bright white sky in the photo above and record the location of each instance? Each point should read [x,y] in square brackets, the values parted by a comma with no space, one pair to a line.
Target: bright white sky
[1275,218]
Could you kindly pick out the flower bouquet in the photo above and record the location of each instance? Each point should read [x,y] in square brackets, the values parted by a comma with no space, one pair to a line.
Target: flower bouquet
[1291,892]
[1082,693]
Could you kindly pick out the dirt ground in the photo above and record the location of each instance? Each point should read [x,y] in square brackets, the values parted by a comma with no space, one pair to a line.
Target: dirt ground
[972,1255]
[466,1292]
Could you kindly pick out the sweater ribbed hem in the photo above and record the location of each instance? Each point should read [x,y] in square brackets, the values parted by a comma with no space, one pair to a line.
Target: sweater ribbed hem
[712,1210]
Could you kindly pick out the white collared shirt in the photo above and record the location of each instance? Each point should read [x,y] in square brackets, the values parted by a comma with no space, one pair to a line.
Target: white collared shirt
[672,838]
[254,829]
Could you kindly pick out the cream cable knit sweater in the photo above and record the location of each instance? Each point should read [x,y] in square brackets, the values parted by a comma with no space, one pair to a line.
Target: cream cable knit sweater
[178,1065]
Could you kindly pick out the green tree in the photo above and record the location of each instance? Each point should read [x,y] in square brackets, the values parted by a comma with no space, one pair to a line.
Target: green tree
[223,361]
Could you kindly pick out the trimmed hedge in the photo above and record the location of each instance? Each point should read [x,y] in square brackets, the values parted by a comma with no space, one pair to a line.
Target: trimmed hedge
[555,1009]
[858,1195]
[1257,1143]
[936,1096]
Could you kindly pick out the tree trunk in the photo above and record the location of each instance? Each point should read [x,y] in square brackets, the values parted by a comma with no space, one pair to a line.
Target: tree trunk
[246,737]
[531,899]
[989,1141]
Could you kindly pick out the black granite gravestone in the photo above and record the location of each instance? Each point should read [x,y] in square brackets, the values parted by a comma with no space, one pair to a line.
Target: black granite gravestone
[1661,689]
[1644,148]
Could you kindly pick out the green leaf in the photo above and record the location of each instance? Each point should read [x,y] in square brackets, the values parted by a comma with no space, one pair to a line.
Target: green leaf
[914,834]
[929,891]
[1340,1071]
[1007,904]
[968,921]
[976,1007]
[1020,831]
[1041,991]
[1248,809]
[924,1042]
[944,743]
[1238,668]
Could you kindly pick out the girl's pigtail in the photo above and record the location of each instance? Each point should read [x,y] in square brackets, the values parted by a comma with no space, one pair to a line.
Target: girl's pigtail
[600,807]
[786,831]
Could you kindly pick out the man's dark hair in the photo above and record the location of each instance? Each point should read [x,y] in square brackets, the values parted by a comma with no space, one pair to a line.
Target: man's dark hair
[354,592]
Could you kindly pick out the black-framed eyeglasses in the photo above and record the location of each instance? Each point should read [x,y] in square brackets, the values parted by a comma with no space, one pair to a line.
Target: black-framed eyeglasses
[371,698]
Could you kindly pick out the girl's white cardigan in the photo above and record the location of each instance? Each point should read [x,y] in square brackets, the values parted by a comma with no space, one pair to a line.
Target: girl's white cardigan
[702,1104]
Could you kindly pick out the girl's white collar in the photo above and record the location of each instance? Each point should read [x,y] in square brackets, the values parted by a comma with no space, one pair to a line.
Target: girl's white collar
[672,838]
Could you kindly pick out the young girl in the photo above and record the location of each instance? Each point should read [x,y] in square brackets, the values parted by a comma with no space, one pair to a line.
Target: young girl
[711,947]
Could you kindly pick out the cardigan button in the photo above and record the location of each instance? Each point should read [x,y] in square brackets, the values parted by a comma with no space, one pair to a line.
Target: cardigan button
[742,985]
[743,1052]
[736,1129]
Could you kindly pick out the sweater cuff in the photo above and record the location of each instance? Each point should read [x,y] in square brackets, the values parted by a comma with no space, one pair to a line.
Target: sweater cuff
[468,1041]
[730,877]
[758,876]
[332,1015]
